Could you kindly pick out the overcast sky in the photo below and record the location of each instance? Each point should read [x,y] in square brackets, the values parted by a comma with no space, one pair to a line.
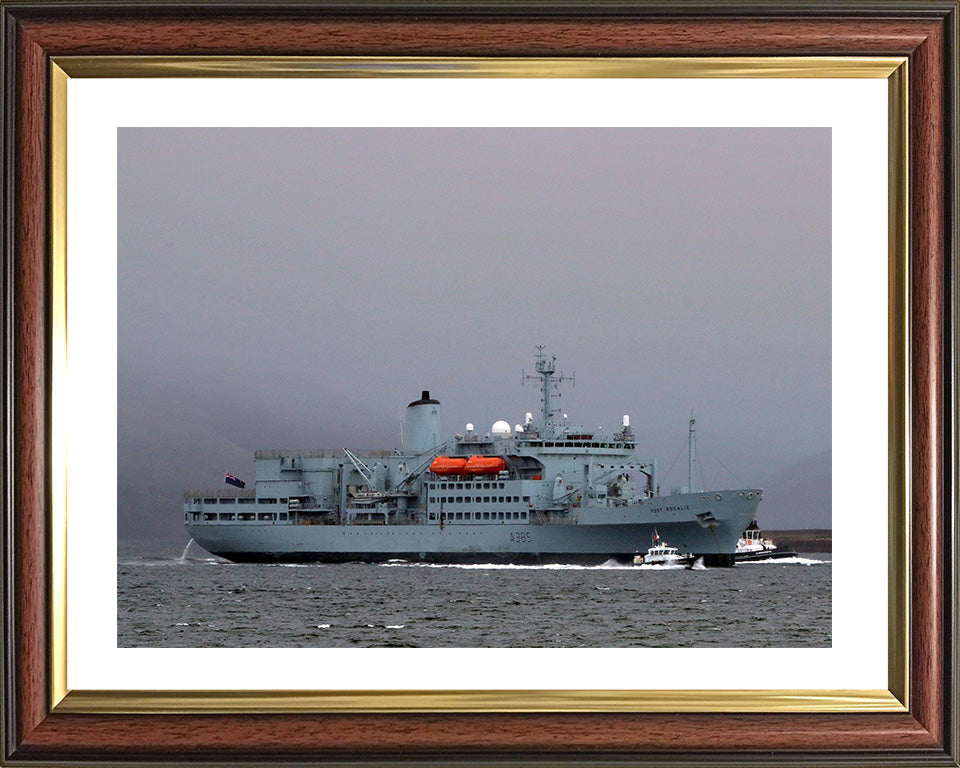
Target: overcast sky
[292,288]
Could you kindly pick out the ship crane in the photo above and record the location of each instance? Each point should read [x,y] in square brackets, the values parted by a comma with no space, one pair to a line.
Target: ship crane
[365,472]
[421,467]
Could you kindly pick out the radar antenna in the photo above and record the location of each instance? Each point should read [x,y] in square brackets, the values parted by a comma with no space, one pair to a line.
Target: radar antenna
[549,380]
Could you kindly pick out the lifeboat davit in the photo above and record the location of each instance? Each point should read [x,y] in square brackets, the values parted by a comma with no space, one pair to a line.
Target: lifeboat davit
[448,465]
[485,465]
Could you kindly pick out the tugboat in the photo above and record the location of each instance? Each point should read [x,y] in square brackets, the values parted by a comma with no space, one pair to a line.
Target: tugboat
[752,546]
[539,492]
[662,553]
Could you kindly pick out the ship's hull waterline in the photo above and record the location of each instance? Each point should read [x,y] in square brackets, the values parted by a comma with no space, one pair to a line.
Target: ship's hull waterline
[618,534]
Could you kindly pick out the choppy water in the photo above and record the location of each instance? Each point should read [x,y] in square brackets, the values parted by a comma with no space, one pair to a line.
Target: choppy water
[201,601]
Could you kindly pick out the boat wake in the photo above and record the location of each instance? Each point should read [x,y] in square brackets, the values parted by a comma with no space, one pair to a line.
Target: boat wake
[609,565]
[785,561]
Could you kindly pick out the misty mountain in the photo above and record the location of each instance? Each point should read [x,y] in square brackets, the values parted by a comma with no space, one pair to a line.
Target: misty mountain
[171,439]
[800,495]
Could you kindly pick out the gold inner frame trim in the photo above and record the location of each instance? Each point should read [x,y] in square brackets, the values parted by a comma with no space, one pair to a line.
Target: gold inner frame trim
[893,69]
[58,372]
[898,383]
[545,701]
[428,66]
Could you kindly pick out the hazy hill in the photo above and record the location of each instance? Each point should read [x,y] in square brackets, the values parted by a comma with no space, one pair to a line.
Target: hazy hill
[173,440]
[799,496]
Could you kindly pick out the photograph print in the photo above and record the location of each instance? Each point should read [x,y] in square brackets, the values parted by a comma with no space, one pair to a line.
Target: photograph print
[474,387]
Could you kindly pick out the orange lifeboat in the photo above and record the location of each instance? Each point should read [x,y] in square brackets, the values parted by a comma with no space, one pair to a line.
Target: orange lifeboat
[485,465]
[448,465]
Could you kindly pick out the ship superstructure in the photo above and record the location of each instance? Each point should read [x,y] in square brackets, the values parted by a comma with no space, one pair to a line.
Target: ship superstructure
[541,491]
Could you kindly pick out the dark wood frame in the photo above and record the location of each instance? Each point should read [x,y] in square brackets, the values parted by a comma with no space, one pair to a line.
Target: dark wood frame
[925,32]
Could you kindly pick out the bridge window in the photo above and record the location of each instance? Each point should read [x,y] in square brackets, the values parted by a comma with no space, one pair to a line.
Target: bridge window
[246,501]
[227,516]
[209,515]
[209,501]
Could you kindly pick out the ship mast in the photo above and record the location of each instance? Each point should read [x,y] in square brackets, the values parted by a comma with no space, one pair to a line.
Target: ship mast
[691,452]
[549,382]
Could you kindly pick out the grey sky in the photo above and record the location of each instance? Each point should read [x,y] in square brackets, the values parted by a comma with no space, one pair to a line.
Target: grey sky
[296,288]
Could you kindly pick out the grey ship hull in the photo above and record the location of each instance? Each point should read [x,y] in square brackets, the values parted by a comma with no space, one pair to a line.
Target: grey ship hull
[698,524]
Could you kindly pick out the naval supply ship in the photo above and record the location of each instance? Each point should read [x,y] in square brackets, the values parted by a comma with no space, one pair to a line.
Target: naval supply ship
[540,492]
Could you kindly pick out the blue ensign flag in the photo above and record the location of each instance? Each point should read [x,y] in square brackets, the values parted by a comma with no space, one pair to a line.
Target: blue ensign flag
[231,480]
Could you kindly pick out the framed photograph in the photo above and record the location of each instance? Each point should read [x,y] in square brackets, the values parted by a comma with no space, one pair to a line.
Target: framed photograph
[130,129]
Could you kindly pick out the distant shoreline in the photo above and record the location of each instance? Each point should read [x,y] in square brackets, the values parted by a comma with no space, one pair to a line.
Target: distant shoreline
[802,539]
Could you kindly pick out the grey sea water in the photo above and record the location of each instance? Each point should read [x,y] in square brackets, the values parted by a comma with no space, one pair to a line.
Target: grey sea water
[201,601]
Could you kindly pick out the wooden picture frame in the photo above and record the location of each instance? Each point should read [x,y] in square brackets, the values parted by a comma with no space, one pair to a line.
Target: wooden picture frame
[37,729]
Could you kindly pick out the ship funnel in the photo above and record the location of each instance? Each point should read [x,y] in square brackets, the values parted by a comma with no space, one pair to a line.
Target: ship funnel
[421,424]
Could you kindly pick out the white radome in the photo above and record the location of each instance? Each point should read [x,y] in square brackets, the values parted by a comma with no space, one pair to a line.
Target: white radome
[500,428]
